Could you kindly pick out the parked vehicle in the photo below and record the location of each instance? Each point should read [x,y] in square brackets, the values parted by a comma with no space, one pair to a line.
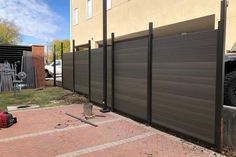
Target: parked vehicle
[230,78]
[49,69]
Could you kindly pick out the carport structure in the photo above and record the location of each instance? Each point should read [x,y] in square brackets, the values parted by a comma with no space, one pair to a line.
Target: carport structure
[12,53]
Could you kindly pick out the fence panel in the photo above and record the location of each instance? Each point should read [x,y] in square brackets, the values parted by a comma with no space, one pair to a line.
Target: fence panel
[82,72]
[131,77]
[97,75]
[68,71]
[184,80]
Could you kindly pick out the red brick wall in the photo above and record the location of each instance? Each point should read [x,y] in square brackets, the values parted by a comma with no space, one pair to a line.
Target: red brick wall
[38,57]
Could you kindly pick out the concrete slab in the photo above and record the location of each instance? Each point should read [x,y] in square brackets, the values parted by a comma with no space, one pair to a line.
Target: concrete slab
[22,107]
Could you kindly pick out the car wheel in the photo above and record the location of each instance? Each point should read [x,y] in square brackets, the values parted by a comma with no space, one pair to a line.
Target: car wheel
[46,74]
[230,89]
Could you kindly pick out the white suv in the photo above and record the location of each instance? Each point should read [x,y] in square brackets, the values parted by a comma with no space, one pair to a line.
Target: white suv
[49,69]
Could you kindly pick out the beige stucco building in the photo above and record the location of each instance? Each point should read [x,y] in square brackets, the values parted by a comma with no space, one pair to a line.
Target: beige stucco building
[130,16]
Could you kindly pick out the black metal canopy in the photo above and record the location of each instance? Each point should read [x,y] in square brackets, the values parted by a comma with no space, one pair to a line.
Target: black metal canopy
[12,53]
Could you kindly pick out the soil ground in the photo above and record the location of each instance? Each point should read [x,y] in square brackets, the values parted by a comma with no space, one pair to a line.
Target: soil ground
[44,97]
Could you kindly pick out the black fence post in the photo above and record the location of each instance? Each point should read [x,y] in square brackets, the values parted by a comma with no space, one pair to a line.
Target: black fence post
[113,72]
[149,74]
[105,108]
[62,51]
[89,60]
[73,66]
[54,66]
[220,75]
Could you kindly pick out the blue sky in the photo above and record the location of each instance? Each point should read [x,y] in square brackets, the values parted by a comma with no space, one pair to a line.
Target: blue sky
[39,21]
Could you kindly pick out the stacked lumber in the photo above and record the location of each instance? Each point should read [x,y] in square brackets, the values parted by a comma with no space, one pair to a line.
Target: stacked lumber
[6,77]
[28,68]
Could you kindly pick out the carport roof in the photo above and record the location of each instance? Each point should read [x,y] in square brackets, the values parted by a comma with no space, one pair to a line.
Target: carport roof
[12,53]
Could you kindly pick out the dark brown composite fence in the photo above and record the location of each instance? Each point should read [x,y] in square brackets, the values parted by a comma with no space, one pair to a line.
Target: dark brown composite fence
[67,71]
[97,75]
[183,84]
[183,81]
[173,82]
[82,72]
[130,94]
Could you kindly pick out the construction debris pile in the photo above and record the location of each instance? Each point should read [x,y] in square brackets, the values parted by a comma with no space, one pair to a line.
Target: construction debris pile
[15,62]
[10,80]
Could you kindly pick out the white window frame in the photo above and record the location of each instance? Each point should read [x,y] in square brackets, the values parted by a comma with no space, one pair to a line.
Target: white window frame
[76,16]
[89,9]
[109,4]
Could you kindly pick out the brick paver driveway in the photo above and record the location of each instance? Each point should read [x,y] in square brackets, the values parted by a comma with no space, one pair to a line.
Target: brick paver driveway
[49,132]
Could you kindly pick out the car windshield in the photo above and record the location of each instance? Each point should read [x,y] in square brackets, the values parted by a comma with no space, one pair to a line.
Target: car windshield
[57,63]
[234,47]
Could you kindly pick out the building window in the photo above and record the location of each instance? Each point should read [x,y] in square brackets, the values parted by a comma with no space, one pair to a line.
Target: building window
[89,8]
[108,4]
[76,16]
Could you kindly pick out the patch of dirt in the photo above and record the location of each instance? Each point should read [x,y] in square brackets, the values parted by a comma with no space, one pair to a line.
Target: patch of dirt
[69,97]
[57,101]
[39,89]
[50,83]
[229,151]
[72,98]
